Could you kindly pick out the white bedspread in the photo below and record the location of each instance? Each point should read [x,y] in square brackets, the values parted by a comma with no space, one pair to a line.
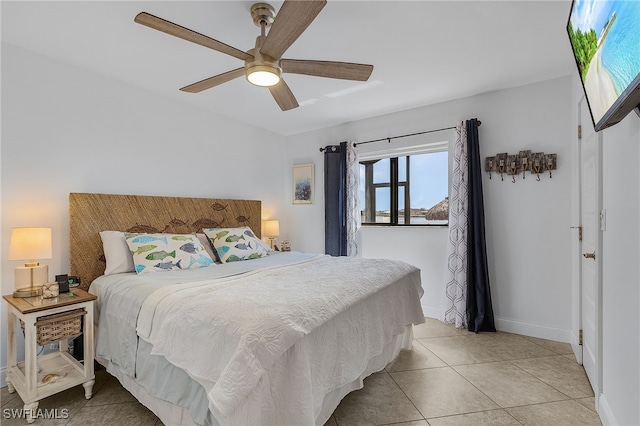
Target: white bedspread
[270,344]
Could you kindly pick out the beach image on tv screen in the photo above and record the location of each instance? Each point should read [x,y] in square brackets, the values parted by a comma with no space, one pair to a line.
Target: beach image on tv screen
[605,36]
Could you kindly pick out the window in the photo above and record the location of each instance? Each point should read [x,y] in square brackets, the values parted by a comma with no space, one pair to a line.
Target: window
[406,189]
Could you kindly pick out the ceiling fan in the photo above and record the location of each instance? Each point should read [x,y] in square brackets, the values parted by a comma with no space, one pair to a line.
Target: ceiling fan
[264,64]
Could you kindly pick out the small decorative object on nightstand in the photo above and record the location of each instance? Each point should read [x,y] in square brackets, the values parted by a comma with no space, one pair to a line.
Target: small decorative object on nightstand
[50,290]
[47,320]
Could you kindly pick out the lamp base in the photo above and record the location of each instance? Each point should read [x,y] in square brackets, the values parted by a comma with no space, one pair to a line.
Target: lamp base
[27,292]
[29,280]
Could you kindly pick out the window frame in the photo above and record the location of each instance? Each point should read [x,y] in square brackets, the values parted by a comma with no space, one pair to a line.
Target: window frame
[394,186]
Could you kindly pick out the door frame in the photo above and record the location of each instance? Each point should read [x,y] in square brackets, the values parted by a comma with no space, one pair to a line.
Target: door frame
[576,246]
[576,228]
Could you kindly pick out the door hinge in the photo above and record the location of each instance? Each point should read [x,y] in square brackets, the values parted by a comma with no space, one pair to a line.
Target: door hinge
[579,131]
[579,228]
[580,337]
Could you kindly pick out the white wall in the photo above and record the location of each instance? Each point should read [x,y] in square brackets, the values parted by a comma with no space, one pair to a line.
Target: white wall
[66,130]
[424,248]
[528,223]
[619,403]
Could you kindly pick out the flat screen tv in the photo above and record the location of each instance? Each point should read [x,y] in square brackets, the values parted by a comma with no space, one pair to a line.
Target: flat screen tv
[605,36]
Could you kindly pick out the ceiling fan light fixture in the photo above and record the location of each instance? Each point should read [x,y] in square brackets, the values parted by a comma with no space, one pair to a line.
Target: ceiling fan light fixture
[263,75]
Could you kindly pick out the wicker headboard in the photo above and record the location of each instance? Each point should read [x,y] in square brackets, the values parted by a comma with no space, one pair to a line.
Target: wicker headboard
[91,213]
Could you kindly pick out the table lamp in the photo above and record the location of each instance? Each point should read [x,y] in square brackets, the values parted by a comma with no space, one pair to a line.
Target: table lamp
[271,229]
[29,244]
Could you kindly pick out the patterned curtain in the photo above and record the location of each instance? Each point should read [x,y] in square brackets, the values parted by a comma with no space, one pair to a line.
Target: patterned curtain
[455,297]
[341,210]
[353,199]
[467,299]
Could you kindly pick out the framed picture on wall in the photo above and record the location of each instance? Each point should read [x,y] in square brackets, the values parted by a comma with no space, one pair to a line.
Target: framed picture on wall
[303,184]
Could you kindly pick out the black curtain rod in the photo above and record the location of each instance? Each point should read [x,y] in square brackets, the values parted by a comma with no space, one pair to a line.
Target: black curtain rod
[402,136]
[410,134]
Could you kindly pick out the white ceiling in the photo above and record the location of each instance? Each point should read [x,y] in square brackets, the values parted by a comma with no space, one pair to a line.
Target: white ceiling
[423,52]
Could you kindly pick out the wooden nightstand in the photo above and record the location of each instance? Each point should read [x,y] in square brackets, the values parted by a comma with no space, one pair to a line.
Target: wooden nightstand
[35,378]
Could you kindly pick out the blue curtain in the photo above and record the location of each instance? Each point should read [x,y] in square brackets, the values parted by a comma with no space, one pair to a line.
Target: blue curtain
[479,308]
[335,199]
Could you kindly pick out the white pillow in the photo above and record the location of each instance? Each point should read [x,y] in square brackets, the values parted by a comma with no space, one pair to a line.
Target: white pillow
[167,252]
[116,253]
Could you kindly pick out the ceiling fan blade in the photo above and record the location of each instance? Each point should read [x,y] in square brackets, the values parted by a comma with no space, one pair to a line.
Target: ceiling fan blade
[216,80]
[176,30]
[283,96]
[292,19]
[329,69]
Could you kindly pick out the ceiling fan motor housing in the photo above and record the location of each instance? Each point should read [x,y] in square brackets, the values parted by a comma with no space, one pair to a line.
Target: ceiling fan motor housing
[261,63]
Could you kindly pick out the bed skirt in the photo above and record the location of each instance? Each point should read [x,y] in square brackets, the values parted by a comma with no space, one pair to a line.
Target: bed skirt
[173,415]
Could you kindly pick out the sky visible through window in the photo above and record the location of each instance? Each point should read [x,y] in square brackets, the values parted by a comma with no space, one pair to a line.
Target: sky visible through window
[429,180]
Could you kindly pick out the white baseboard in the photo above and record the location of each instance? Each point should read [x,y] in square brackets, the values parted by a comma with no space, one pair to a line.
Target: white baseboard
[533,330]
[604,411]
[517,327]
[511,326]
[432,311]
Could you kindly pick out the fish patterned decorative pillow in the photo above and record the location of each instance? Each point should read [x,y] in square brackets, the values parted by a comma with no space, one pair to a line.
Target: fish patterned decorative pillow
[167,252]
[233,244]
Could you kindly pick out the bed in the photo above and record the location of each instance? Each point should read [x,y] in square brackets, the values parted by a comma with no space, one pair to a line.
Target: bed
[277,338]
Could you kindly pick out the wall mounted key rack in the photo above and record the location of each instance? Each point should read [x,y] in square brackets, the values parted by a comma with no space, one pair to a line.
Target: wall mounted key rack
[519,164]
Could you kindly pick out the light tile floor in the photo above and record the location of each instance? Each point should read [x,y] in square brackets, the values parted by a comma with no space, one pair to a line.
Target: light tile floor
[451,377]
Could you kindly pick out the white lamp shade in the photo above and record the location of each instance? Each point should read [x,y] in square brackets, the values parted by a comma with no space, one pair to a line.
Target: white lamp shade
[271,228]
[30,244]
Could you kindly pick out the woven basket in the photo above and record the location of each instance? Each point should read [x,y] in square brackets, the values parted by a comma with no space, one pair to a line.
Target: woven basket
[52,328]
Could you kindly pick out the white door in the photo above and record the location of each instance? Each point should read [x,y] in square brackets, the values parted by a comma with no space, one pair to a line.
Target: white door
[590,204]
